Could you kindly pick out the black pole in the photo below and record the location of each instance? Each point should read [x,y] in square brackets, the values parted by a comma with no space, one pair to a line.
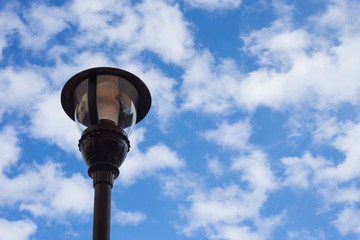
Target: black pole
[102,211]
[104,148]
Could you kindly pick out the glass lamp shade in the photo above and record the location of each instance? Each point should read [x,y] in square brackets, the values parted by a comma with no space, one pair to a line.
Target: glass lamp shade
[112,103]
[107,94]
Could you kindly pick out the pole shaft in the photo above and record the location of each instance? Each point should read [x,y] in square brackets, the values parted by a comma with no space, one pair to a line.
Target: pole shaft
[102,211]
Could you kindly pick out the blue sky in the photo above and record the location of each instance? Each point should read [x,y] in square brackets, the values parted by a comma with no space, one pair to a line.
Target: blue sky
[253,133]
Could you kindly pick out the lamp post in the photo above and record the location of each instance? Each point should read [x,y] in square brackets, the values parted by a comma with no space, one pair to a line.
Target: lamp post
[105,103]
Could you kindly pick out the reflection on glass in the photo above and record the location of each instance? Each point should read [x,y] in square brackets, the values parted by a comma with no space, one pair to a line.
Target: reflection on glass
[82,118]
[129,117]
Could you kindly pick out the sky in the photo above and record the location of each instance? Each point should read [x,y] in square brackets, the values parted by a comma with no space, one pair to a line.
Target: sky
[253,133]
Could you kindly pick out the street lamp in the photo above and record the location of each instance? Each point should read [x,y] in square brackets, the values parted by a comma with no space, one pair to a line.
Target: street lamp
[105,103]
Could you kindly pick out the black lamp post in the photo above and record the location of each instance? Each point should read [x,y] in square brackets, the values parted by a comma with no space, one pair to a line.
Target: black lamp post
[105,103]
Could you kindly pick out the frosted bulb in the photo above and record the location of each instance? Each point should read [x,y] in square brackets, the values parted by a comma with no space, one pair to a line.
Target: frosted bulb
[108,108]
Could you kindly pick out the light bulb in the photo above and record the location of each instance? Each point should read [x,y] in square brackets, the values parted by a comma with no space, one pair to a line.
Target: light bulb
[108,108]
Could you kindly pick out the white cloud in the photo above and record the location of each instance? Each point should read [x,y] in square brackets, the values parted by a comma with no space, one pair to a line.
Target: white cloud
[278,44]
[342,136]
[129,218]
[143,164]
[10,149]
[127,27]
[347,143]
[306,235]
[255,169]
[49,121]
[209,86]
[173,40]
[43,23]
[298,65]
[214,4]
[327,129]
[295,65]
[215,167]
[36,25]
[163,96]
[221,212]
[262,231]
[348,221]
[135,28]
[231,136]
[282,9]
[16,230]
[224,212]
[90,14]
[8,27]
[44,191]
[337,194]
[229,204]
[336,183]
[236,233]
[181,184]
[300,171]
[3,44]
[18,91]
[41,189]
[339,16]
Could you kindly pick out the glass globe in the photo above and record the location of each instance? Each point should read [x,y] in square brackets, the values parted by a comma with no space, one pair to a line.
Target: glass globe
[112,103]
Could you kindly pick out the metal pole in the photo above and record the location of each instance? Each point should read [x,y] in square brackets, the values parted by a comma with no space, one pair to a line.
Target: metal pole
[102,209]
[104,148]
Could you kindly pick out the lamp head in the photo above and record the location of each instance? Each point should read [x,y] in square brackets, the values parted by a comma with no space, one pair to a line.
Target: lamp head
[106,94]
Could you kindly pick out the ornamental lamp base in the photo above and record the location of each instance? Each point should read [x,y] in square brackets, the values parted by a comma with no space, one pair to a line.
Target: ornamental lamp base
[104,148]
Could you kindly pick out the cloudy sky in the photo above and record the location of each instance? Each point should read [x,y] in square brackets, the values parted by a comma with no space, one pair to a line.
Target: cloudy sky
[254,131]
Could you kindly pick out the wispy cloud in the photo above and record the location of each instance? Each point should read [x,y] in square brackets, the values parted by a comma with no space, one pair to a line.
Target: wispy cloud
[129,218]
[20,230]
[212,5]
